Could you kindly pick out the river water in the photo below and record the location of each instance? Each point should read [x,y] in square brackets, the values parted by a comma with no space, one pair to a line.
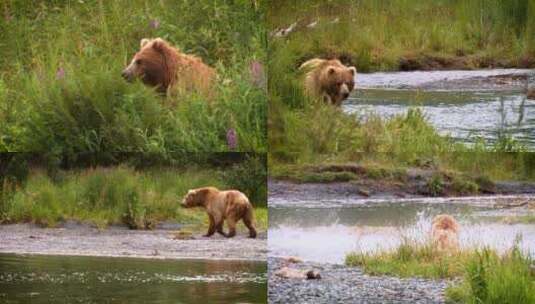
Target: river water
[327,231]
[68,279]
[466,105]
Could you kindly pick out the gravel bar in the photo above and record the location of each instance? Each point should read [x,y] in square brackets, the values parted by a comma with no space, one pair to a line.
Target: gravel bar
[122,242]
[342,284]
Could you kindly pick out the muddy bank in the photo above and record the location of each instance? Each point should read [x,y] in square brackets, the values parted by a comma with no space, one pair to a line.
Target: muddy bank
[342,284]
[416,185]
[121,242]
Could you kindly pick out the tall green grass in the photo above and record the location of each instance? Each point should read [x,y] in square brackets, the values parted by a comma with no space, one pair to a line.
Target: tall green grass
[61,89]
[122,195]
[485,276]
[492,279]
[388,35]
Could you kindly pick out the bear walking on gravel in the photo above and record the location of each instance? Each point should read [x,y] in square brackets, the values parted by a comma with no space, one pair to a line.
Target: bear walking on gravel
[328,79]
[160,65]
[231,205]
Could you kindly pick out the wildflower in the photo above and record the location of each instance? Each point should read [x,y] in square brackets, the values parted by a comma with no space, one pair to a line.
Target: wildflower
[232,139]
[154,23]
[257,73]
[60,74]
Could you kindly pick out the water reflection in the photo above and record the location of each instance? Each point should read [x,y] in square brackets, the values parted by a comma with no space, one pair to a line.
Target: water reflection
[47,279]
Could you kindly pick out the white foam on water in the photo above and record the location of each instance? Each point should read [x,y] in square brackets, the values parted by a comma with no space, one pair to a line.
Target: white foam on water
[330,244]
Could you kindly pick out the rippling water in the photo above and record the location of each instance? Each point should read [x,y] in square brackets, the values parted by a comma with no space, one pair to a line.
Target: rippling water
[326,232]
[466,105]
[49,279]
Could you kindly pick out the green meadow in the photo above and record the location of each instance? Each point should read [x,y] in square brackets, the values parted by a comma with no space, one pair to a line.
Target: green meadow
[61,88]
[390,36]
[128,191]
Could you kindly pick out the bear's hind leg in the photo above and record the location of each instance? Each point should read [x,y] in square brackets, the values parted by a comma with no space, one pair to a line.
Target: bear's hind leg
[231,223]
[249,224]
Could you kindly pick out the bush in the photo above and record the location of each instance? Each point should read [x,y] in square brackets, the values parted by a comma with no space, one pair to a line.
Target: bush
[249,177]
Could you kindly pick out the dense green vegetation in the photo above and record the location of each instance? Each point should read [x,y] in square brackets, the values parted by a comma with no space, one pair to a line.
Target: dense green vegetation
[390,35]
[487,277]
[407,34]
[60,76]
[128,191]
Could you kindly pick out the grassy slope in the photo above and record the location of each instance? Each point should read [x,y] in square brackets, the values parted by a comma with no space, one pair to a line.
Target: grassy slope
[380,35]
[385,35]
[105,196]
[486,276]
[60,84]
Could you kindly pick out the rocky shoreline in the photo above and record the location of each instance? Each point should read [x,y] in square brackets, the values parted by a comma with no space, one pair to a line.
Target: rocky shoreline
[342,284]
[374,189]
[82,240]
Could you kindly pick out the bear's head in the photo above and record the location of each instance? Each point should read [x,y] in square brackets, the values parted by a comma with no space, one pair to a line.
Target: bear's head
[338,81]
[197,197]
[152,64]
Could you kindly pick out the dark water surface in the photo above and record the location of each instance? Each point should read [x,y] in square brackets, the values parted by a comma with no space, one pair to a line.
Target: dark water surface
[68,279]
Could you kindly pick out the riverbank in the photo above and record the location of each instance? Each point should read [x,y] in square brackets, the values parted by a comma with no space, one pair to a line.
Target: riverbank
[342,284]
[327,182]
[425,36]
[118,241]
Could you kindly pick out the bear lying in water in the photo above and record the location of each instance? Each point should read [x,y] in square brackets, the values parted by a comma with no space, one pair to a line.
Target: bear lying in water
[445,233]
[231,205]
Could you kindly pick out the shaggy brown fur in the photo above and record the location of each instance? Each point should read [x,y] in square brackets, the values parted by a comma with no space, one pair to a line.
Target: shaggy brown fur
[231,205]
[170,71]
[445,233]
[329,79]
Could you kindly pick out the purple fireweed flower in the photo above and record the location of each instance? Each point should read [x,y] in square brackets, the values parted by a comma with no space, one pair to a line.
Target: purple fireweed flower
[232,139]
[257,73]
[60,74]
[154,23]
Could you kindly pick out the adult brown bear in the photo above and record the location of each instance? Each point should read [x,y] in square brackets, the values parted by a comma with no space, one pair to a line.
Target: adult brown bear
[328,79]
[230,205]
[160,65]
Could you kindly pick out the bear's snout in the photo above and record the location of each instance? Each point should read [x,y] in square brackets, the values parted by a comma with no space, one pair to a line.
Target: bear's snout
[126,75]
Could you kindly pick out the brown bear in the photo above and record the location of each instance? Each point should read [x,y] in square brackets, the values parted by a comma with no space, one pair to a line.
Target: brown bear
[445,233]
[160,65]
[328,79]
[230,205]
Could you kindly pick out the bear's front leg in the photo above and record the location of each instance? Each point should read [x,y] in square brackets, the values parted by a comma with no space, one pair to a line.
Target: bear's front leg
[211,227]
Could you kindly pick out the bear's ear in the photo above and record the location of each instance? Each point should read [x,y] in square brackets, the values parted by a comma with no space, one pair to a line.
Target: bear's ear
[158,44]
[353,70]
[143,42]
